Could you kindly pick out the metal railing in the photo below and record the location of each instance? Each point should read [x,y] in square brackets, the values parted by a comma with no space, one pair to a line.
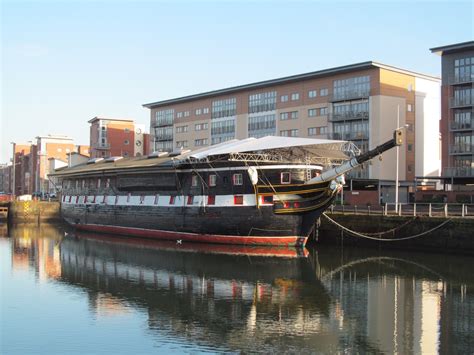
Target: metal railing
[461,102]
[458,172]
[465,148]
[349,115]
[347,136]
[445,210]
[456,126]
[350,95]
[461,79]
[101,146]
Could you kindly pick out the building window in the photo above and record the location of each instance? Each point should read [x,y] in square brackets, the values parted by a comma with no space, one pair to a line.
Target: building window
[312,112]
[409,168]
[107,183]
[464,69]
[194,181]
[312,94]
[349,88]
[355,109]
[212,180]
[289,133]
[157,198]
[238,200]
[260,126]
[224,108]
[205,110]
[98,183]
[211,199]
[284,98]
[323,92]
[265,101]
[129,195]
[181,144]
[201,126]
[288,115]
[179,115]
[312,131]
[223,127]
[200,142]
[295,96]
[186,113]
[323,111]
[237,179]
[126,142]
[323,130]
[410,87]
[125,154]
[198,112]
[126,130]
[142,199]
[285,178]
[181,129]
[410,147]
[164,117]
[409,108]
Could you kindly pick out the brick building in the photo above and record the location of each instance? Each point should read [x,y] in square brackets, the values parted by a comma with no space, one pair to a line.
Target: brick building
[361,102]
[117,137]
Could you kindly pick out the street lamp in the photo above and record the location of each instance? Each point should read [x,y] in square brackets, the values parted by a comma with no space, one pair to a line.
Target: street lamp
[398,152]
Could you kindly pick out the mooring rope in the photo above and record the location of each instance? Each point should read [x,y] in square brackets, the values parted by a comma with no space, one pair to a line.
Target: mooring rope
[357,234]
[393,229]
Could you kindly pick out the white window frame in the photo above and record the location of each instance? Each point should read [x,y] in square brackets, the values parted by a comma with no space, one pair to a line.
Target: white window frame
[213,180]
[237,179]
[285,181]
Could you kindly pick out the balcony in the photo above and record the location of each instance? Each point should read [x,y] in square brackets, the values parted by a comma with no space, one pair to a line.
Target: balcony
[458,172]
[457,149]
[349,115]
[461,102]
[164,137]
[350,95]
[349,136]
[162,123]
[462,126]
[461,79]
[101,146]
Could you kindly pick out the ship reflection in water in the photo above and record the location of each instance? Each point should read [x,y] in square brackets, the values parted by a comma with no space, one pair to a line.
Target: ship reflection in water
[215,298]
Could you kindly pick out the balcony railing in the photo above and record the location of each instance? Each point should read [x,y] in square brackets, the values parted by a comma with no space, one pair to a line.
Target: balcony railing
[458,172]
[461,79]
[161,123]
[461,102]
[101,146]
[349,136]
[350,95]
[164,137]
[349,115]
[461,148]
[460,126]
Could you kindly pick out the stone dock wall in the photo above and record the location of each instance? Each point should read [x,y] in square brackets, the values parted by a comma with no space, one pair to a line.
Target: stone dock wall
[456,236]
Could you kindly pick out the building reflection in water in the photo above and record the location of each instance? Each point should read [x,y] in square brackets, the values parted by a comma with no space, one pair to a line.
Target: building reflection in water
[265,299]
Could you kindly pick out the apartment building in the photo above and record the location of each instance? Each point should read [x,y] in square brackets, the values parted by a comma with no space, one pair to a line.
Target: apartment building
[361,102]
[117,137]
[457,118]
[5,178]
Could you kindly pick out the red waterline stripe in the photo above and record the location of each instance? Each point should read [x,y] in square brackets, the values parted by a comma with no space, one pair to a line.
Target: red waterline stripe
[193,237]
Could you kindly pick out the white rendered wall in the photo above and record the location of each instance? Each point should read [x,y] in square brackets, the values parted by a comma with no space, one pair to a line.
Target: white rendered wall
[427,116]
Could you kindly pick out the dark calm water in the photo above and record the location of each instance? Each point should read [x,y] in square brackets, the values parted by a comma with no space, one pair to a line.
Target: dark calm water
[84,293]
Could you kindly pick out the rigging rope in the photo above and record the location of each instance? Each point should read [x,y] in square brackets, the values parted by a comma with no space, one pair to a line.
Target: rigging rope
[357,234]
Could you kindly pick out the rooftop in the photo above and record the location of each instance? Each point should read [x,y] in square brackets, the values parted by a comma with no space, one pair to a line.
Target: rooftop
[109,119]
[290,79]
[453,48]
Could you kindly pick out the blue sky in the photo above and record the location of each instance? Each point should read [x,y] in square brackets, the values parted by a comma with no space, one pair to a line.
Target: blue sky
[64,62]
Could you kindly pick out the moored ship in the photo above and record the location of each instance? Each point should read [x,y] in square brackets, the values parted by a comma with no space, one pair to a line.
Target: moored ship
[265,191]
